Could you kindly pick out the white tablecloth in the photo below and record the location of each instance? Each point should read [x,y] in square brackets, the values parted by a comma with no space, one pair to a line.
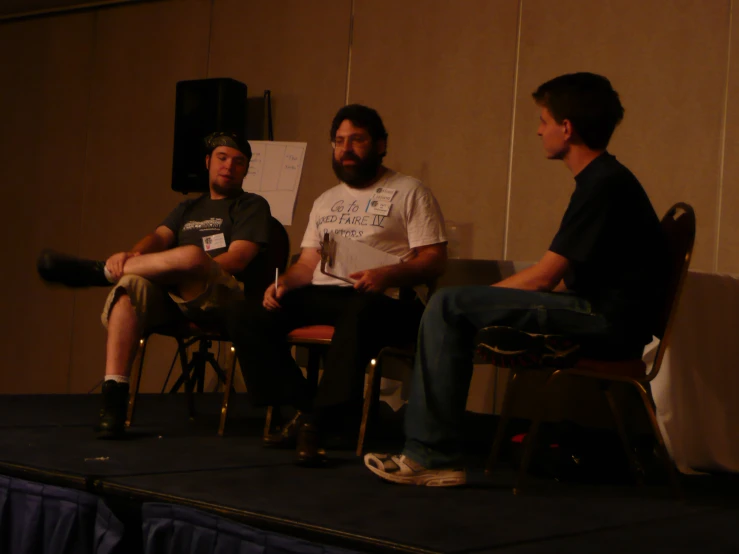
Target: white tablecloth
[697,389]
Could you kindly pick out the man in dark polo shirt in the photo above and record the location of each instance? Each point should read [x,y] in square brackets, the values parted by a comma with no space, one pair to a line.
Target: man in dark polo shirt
[196,262]
[600,282]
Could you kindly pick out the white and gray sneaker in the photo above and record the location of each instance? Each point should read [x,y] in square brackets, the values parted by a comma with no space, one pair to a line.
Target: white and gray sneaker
[403,470]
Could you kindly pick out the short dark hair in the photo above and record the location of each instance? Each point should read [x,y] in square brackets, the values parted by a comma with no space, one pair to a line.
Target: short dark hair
[360,116]
[232,140]
[588,101]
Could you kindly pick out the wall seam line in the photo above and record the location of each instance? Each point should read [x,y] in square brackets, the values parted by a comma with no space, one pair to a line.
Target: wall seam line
[722,150]
[349,58]
[83,199]
[210,39]
[509,183]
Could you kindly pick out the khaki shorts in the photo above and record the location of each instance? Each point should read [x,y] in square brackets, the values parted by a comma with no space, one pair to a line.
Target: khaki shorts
[157,305]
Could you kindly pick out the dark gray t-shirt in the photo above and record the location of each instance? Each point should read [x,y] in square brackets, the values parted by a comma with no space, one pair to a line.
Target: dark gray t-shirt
[214,224]
[617,251]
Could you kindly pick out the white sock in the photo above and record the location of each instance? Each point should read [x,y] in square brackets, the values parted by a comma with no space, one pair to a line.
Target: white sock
[117,378]
[108,276]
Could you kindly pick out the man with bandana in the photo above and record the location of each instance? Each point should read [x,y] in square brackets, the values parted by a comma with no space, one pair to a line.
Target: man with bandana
[373,205]
[193,264]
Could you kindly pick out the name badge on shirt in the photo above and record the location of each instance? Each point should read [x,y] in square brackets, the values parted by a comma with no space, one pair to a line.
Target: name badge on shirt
[214,242]
[378,207]
[384,194]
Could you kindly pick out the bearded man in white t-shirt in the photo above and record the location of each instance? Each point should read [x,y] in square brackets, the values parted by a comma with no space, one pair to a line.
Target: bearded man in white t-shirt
[404,220]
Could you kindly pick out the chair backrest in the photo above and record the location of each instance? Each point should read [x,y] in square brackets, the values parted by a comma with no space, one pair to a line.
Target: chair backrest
[678,225]
[261,270]
[278,251]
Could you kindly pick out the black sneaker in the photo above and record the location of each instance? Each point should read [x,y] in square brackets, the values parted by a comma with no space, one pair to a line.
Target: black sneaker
[71,271]
[113,414]
[513,348]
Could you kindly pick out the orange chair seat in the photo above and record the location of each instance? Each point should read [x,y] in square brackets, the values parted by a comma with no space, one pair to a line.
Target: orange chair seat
[635,369]
[312,332]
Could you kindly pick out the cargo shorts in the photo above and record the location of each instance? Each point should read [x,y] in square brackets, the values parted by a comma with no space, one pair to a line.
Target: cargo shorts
[159,305]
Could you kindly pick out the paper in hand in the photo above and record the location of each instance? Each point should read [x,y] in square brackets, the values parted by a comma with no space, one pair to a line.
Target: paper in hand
[342,256]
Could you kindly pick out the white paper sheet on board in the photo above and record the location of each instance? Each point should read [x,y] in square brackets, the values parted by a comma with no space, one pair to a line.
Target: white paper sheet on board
[274,173]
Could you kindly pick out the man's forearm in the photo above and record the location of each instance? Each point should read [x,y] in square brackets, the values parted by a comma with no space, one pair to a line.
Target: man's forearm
[526,279]
[229,263]
[420,270]
[235,262]
[297,276]
[149,244]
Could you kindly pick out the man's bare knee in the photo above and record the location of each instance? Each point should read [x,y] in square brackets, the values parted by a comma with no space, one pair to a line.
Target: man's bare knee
[121,300]
[193,260]
[122,314]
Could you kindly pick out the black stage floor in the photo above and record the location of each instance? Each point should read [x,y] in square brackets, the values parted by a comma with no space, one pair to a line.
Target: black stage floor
[168,458]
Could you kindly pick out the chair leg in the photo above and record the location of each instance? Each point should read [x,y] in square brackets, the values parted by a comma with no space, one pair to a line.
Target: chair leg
[184,364]
[530,440]
[188,374]
[313,369]
[502,423]
[169,373]
[227,393]
[661,448]
[221,376]
[268,422]
[634,464]
[372,373]
[136,379]
[199,362]
[496,372]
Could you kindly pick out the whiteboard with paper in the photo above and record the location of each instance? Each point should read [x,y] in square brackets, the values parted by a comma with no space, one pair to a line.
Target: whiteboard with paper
[274,173]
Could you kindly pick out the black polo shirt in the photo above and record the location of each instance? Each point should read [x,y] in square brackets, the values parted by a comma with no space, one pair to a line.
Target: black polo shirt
[617,251]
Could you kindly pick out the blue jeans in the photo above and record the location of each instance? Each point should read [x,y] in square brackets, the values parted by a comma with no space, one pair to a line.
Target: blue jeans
[443,364]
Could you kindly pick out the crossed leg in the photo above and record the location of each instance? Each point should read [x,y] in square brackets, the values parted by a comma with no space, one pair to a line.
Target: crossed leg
[186,269]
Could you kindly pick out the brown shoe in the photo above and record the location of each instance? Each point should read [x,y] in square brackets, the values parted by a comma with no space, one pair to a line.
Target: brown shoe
[287,437]
[309,453]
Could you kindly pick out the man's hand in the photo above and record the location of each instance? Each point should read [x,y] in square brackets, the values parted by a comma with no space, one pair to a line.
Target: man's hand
[115,263]
[371,280]
[298,275]
[544,276]
[272,296]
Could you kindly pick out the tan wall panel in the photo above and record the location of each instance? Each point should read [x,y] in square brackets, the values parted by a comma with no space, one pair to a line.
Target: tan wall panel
[141,52]
[45,73]
[728,243]
[299,51]
[442,79]
[668,64]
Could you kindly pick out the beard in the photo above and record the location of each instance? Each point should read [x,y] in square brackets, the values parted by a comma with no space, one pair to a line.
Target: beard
[226,190]
[361,174]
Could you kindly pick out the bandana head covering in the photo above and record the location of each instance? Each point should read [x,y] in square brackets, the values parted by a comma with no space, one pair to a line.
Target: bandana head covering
[220,138]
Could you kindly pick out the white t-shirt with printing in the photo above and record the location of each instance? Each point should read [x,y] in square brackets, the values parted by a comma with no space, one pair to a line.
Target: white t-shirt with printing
[414,219]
